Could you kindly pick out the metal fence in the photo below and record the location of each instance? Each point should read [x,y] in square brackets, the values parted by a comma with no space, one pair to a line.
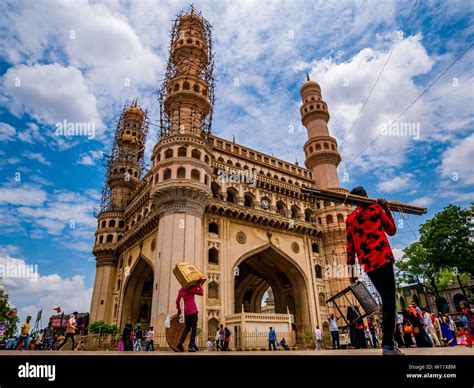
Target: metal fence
[241,341]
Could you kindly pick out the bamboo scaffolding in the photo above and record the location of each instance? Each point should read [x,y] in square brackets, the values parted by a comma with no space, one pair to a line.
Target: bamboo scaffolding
[349,199]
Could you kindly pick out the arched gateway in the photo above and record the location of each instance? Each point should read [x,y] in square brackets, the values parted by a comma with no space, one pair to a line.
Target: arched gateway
[269,267]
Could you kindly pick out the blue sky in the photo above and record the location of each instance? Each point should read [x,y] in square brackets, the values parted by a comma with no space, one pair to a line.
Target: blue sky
[82,61]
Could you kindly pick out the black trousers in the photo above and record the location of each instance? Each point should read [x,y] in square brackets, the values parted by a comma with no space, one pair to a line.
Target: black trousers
[69,335]
[383,279]
[191,322]
[335,340]
[271,343]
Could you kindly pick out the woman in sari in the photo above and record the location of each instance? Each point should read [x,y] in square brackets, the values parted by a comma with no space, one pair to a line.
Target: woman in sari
[446,334]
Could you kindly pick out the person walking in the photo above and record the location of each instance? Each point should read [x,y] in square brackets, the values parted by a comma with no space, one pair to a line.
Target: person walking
[137,345]
[271,339]
[429,327]
[24,336]
[150,340]
[469,328]
[190,315]
[366,234]
[373,332]
[70,331]
[319,338]
[48,337]
[226,339]
[332,320]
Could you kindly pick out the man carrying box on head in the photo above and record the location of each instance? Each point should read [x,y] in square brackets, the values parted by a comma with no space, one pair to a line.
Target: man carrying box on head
[190,314]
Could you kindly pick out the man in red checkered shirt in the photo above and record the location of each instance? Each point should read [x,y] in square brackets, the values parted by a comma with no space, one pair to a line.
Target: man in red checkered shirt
[366,234]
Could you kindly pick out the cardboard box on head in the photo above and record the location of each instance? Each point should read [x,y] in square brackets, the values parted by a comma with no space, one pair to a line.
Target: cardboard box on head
[188,274]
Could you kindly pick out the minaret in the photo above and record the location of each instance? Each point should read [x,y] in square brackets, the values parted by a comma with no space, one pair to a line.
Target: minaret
[123,175]
[181,159]
[322,156]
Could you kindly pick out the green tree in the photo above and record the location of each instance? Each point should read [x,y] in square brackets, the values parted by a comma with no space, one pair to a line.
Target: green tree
[102,328]
[416,268]
[447,240]
[8,318]
[444,254]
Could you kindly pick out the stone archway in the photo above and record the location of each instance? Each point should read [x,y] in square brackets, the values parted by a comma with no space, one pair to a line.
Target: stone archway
[137,296]
[268,267]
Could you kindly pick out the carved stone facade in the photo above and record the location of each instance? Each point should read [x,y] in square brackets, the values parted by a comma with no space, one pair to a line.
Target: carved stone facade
[248,235]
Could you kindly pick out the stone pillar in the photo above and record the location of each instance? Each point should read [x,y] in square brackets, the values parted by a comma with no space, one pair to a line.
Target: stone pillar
[102,297]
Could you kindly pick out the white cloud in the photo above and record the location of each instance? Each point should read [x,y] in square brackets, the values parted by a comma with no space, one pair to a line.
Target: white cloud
[38,157]
[45,292]
[26,196]
[7,132]
[90,158]
[396,184]
[458,161]
[422,201]
[50,94]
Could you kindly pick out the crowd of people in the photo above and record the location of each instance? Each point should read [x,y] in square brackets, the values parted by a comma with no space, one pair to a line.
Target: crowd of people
[415,327]
[132,339]
[49,338]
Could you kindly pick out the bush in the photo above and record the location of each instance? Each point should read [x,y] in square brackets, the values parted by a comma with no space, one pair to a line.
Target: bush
[100,327]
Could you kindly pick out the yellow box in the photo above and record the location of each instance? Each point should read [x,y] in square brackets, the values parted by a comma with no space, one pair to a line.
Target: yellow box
[188,274]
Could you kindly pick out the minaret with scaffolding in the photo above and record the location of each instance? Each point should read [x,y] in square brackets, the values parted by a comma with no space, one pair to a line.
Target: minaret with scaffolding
[181,160]
[124,168]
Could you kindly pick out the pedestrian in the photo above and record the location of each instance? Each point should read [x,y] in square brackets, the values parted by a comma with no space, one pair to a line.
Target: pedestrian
[150,340]
[429,327]
[398,336]
[446,334]
[226,339]
[453,328]
[373,332]
[271,339]
[469,328]
[332,320]
[366,234]
[190,315]
[208,345]
[319,338]
[48,337]
[25,334]
[221,333]
[137,345]
[416,319]
[126,335]
[70,331]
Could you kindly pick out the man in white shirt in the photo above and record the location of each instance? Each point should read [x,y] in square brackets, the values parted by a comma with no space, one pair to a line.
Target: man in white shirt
[429,327]
[332,320]
[319,338]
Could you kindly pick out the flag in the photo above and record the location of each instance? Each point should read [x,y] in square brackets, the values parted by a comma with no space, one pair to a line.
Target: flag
[58,309]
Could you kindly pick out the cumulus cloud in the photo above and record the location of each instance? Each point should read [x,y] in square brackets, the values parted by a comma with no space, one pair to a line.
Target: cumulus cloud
[50,93]
[396,184]
[30,294]
[38,157]
[422,201]
[26,195]
[457,162]
[7,132]
[90,158]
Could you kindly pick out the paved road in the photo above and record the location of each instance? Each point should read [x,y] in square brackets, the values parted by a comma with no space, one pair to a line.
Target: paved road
[455,351]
